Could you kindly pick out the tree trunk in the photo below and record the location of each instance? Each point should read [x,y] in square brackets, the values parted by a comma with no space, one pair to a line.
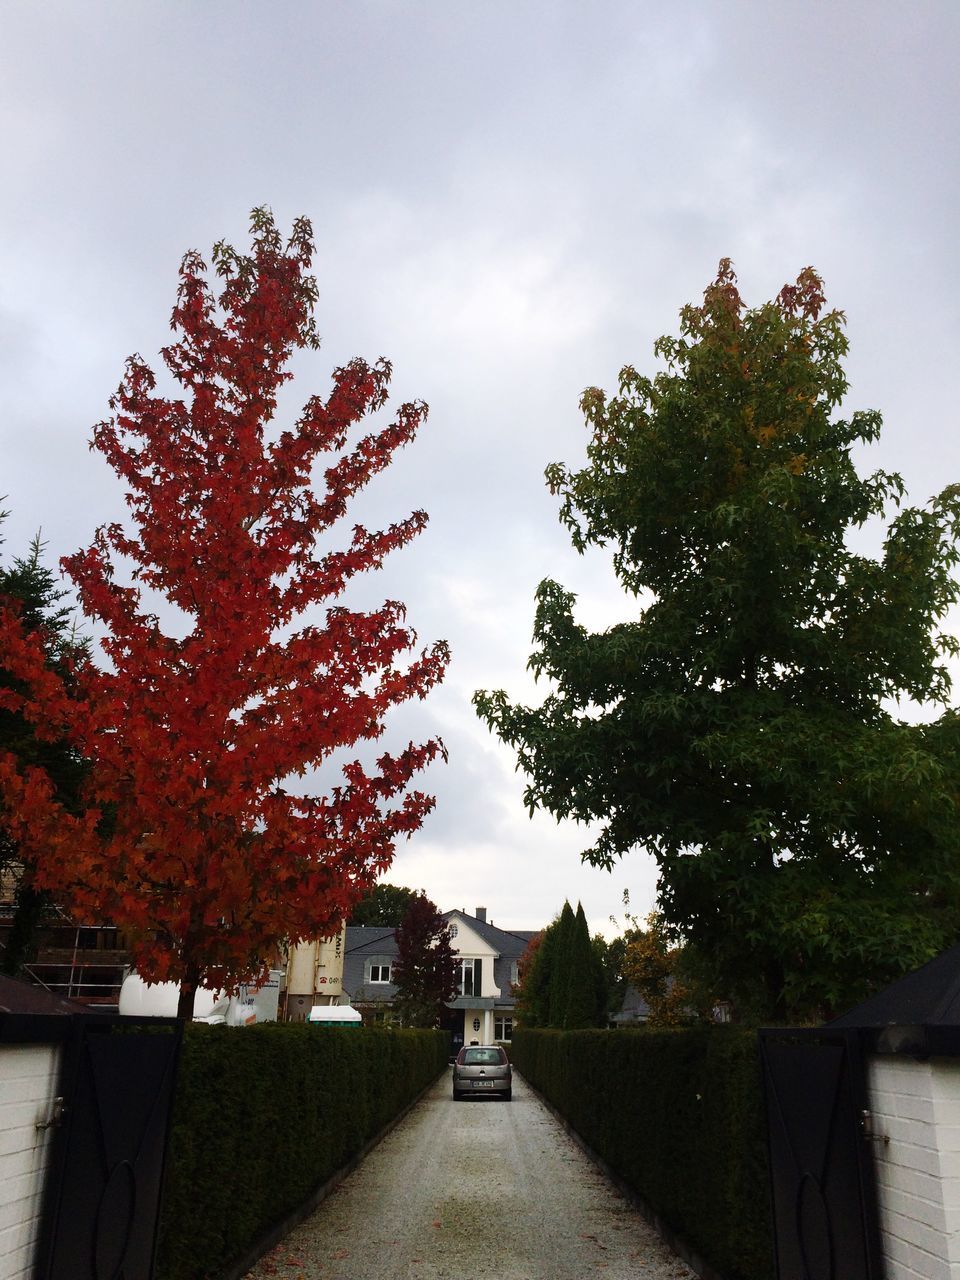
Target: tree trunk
[188,992]
[21,946]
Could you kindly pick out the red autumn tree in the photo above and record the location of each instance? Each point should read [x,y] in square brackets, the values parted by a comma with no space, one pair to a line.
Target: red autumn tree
[192,838]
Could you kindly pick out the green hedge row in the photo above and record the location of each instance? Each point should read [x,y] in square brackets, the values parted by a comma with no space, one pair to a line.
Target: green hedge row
[679,1116]
[264,1115]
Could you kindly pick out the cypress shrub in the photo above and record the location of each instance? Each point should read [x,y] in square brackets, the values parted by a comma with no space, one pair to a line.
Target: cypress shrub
[679,1116]
[264,1115]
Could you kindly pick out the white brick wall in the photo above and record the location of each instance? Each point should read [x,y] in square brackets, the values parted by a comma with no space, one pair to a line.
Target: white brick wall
[28,1084]
[917,1105]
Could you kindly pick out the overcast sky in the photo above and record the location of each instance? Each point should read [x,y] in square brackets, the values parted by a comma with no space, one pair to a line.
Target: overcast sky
[511,200]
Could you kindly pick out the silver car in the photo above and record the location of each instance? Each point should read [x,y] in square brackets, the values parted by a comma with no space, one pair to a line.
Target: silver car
[481,1069]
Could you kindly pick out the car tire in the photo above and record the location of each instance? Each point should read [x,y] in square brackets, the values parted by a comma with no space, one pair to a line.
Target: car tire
[508,1096]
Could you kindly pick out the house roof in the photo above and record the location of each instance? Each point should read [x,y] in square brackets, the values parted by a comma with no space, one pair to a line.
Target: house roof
[31,1013]
[633,1009]
[509,942]
[26,997]
[920,1013]
[365,942]
[367,938]
[368,942]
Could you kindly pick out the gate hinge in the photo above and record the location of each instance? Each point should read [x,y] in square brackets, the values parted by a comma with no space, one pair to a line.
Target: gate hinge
[868,1132]
[56,1117]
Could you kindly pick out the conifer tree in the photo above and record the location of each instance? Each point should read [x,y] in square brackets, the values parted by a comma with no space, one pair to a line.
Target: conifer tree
[583,1007]
[31,604]
[561,968]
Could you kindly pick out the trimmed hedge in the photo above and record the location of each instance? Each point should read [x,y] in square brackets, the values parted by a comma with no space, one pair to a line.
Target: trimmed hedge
[679,1116]
[264,1115]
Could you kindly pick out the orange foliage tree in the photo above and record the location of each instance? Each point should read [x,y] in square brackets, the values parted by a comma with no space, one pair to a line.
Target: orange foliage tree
[191,837]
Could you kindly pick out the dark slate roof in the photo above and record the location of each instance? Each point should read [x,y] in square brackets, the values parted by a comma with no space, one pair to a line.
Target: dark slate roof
[511,943]
[30,1013]
[929,996]
[365,942]
[370,938]
[917,1014]
[633,1009]
[26,997]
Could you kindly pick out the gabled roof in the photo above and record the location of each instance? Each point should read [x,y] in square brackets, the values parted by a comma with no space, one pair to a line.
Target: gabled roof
[919,1014]
[930,997]
[634,1007]
[511,943]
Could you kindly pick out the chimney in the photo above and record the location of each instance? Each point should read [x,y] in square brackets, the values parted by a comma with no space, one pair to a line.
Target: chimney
[481,914]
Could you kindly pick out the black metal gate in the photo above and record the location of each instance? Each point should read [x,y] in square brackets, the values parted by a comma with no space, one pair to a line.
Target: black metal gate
[821,1163]
[103,1200]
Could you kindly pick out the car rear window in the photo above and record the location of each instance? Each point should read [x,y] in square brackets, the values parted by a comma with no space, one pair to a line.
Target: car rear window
[482,1057]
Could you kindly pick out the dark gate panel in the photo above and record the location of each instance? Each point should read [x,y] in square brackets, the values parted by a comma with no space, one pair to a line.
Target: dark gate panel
[103,1210]
[821,1166]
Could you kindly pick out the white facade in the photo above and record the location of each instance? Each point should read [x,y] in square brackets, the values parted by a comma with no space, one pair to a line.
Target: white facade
[916,1105]
[29,1076]
[470,947]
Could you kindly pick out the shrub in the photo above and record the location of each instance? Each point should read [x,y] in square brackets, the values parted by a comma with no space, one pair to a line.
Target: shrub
[679,1116]
[263,1116]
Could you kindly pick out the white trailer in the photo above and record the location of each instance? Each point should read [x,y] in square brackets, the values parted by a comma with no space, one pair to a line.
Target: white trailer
[140,999]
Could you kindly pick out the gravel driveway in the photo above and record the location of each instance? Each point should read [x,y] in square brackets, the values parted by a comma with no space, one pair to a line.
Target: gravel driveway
[469,1190]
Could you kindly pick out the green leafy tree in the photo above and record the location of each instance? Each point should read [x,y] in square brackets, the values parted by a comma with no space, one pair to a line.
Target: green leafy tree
[739,723]
[610,956]
[664,976]
[385,904]
[29,591]
[425,969]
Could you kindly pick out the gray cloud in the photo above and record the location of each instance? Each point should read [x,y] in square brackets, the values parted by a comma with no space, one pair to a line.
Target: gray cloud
[510,201]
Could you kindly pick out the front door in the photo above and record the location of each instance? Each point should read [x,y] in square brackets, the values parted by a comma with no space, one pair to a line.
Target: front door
[452,1021]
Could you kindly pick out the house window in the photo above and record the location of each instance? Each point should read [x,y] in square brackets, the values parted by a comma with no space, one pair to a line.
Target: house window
[454,931]
[380,972]
[502,1028]
[465,978]
[514,972]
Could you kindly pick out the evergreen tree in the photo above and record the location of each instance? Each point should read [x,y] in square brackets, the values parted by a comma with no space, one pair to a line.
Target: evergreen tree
[584,1005]
[561,968]
[29,590]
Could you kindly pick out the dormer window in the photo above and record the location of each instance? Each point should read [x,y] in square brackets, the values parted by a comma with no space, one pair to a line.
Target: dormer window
[379,971]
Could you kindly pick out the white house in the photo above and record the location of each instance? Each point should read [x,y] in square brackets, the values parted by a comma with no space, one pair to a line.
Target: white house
[488,960]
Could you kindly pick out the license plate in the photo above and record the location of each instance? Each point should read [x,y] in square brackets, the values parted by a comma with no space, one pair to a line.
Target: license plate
[483,1084]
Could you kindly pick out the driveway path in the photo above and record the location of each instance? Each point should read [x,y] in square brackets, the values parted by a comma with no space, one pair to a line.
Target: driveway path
[474,1190]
